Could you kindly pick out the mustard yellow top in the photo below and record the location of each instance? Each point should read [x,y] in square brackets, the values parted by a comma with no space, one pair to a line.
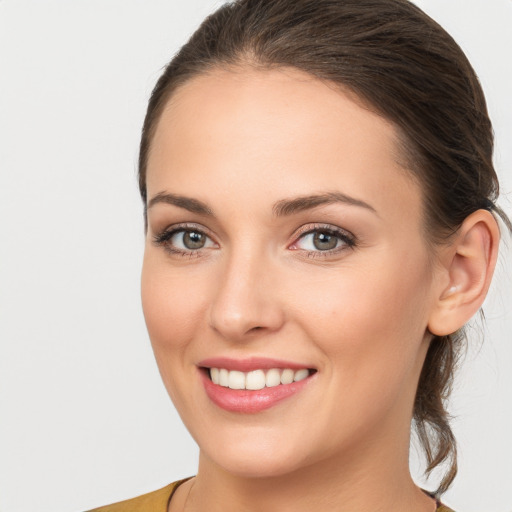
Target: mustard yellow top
[158,501]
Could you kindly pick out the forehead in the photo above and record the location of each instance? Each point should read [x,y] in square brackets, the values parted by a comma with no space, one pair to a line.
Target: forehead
[281,130]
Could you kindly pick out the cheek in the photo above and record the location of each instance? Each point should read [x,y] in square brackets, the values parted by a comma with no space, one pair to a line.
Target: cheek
[369,326]
[371,318]
[172,304]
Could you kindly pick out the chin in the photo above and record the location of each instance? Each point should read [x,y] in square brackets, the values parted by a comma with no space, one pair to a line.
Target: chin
[248,453]
[254,466]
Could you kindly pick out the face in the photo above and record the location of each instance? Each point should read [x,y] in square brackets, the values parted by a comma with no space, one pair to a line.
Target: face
[284,243]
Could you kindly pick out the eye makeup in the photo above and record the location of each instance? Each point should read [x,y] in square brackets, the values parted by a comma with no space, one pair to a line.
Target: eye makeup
[184,240]
[311,240]
[323,240]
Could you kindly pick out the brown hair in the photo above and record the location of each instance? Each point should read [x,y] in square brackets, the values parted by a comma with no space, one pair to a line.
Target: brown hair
[406,67]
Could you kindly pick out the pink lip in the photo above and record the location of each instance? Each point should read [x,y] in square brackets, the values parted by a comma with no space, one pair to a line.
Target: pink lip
[246,401]
[248,365]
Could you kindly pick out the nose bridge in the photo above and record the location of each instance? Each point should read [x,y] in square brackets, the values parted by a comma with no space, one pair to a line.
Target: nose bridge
[245,300]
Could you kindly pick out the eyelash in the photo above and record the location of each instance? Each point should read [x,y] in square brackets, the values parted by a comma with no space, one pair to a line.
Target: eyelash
[163,238]
[347,239]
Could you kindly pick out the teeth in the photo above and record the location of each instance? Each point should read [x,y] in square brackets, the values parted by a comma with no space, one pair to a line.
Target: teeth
[273,378]
[224,378]
[257,379]
[287,376]
[300,375]
[236,380]
[214,374]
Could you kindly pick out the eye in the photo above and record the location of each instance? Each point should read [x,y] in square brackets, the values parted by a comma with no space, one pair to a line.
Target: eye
[191,240]
[182,240]
[320,240]
[323,239]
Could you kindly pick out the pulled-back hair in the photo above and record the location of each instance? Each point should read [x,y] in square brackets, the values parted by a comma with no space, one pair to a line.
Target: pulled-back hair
[405,67]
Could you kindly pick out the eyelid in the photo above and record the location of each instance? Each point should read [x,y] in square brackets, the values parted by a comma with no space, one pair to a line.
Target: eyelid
[161,237]
[318,226]
[185,226]
[346,236]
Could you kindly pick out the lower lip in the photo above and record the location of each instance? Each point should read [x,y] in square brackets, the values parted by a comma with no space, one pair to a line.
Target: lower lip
[246,401]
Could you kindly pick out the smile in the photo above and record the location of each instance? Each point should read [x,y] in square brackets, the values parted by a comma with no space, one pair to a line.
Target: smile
[252,385]
[257,379]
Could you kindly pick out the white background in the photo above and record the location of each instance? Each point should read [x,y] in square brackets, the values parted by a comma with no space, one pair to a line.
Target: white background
[84,419]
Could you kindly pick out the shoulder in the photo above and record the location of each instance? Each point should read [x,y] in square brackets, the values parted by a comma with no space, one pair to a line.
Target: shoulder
[156,501]
[443,508]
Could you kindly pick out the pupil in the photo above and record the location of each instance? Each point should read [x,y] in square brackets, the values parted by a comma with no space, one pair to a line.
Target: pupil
[324,241]
[193,240]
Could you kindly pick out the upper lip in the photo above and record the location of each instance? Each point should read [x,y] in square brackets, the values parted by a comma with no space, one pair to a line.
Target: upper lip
[250,364]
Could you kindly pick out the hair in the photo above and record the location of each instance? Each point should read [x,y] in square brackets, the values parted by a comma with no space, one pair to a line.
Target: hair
[404,66]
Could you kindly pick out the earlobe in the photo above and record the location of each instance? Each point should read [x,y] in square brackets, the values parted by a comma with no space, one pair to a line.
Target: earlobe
[468,266]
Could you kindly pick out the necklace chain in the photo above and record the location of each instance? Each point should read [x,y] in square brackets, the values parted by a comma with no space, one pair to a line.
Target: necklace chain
[188,495]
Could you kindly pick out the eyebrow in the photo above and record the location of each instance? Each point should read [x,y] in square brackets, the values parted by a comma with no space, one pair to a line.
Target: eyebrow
[282,208]
[287,207]
[192,205]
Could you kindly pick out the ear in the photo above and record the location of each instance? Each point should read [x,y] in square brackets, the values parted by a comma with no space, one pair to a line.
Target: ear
[467,266]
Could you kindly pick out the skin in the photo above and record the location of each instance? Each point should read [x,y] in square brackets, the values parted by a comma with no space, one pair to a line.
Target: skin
[241,141]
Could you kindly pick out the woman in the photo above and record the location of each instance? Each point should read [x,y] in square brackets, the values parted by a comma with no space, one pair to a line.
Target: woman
[320,208]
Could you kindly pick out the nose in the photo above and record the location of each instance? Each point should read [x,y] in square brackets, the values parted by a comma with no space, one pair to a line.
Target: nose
[246,300]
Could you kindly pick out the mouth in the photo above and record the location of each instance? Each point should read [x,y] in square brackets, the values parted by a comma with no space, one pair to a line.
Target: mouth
[257,379]
[251,386]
